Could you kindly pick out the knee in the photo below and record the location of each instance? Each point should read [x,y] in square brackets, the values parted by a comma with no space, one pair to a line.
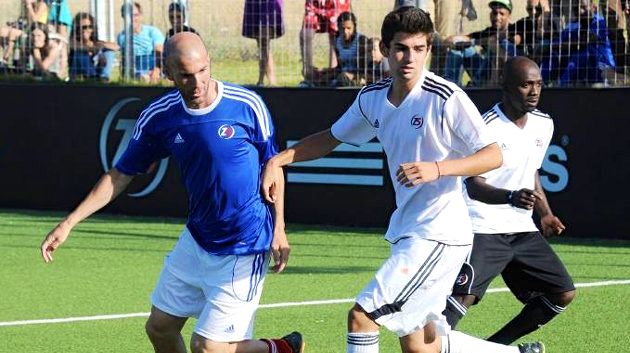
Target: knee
[199,344]
[359,321]
[157,330]
[565,298]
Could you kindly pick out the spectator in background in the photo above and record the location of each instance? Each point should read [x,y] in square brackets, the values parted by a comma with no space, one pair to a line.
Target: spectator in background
[44,52]
[351,50]
[534,35]
[616,14]
[89,57]
[483,53]
[177,19]
[263,21]
[320,16]
[352,57]
[448,18]
[148,44]
[585,41]
[377,68]
[34,11]
[59,24]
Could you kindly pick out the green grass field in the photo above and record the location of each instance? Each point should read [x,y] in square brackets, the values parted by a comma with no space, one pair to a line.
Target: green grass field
[110,264]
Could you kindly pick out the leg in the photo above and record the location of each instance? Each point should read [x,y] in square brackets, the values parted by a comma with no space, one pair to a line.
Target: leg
[422,341]
[306,46]
[109,56]
[538,279]
[164,331]
[265,67]
[332,54]
[362,332]
[453,65]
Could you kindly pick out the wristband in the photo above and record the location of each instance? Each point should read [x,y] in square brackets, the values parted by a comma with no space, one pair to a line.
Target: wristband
[510,197]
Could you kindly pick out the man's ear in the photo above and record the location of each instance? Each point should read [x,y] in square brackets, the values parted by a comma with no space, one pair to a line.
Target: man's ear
[384,50]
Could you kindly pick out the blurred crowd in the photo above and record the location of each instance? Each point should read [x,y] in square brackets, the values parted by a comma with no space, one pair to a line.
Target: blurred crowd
[576,43]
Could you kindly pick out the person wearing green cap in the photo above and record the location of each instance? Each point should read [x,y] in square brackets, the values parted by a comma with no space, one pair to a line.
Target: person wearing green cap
[482,53]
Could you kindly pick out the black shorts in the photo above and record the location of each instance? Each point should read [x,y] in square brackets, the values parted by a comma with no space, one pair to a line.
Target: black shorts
[525,260]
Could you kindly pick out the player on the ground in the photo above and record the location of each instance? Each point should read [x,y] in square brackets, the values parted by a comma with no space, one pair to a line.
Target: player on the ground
[501,203]
[431,133]
[221,135]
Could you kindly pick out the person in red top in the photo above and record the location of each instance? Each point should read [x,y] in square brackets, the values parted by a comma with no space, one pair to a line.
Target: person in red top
[320,16]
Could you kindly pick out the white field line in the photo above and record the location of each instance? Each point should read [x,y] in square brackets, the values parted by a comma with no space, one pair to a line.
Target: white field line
[263,306]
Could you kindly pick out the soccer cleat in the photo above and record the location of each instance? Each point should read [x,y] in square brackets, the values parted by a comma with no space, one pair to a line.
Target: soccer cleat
[295,341]
[534,347]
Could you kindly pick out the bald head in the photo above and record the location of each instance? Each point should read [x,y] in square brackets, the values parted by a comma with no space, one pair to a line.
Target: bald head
[185,45]
[516,68]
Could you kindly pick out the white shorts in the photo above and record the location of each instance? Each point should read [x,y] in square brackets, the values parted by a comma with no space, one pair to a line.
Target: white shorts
[221,291]
[412,286]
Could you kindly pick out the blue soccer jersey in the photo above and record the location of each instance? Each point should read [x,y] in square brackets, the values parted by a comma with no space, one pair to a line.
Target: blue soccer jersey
[220,151]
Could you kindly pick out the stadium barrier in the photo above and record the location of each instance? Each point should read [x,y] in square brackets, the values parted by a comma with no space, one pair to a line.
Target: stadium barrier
[57,140]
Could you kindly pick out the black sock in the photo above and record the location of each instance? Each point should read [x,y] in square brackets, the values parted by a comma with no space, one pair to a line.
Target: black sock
[454,311]
[537,312]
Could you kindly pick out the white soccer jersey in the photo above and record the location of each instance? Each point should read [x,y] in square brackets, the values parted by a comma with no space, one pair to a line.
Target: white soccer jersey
[523,154]
[435,122]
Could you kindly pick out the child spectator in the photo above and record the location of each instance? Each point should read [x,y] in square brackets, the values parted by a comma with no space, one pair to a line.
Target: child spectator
[34,11]
[351,51]
[263,21]
[44,52]
[320,16]
[89,57]
[377,67]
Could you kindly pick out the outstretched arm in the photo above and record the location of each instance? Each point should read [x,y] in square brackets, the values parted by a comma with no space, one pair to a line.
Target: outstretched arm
[106,189]
[550,224]
[414,173]
[311,147]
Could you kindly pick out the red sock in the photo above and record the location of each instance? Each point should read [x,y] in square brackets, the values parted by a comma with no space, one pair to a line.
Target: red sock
[278,346]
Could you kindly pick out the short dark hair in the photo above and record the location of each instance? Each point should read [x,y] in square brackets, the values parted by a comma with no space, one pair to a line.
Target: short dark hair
[135,4]
[406,19]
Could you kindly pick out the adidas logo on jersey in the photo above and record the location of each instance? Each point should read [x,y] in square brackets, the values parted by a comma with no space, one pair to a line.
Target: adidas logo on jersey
[230,329]
[178,139]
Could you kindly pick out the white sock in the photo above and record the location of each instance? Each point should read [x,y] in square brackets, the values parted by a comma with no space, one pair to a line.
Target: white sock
[457,342]
[362,342]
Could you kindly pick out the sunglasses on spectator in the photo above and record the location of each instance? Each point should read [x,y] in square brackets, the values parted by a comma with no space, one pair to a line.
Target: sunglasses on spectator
[84,27]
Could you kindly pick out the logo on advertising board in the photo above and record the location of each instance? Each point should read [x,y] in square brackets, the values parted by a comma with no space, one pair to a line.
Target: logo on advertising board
[114,122]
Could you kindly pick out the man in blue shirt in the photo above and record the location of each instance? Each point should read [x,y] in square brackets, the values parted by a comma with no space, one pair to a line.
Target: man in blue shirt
[147,46]
[221,135]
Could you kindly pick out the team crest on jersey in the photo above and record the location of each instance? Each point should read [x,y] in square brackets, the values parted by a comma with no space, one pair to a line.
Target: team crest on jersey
[461,279]
[539,142]
[376,124]
[417,121]
[226,131]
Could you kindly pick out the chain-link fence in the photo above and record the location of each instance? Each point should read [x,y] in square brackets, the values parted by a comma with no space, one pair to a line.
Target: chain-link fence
[293,42]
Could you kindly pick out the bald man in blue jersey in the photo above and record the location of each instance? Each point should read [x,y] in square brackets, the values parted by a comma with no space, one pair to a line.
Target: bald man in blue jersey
[221,136]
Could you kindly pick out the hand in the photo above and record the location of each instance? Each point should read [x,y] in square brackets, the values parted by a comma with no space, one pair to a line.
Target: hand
[551,225]
[53,240]
[525,198]
[155,75]
[414,173]
[280,249]
[269,182]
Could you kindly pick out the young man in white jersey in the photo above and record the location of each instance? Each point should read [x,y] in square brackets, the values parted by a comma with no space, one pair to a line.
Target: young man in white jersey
[220,134]
[501,203]
[431,133]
